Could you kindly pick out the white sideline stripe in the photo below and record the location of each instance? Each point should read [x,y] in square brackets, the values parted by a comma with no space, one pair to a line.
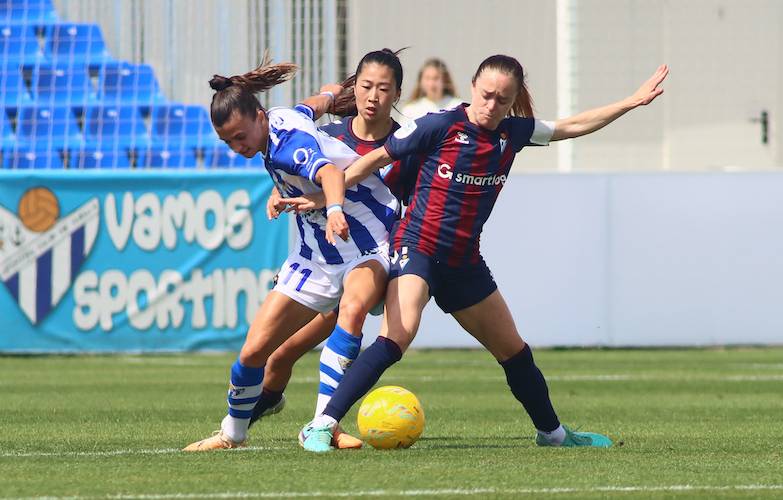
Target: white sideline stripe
[116,453]
[439,492]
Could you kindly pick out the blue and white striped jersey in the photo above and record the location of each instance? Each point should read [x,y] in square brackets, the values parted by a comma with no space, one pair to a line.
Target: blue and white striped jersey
[296,150]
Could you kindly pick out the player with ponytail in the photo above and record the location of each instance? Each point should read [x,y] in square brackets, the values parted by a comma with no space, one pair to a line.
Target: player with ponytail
[365,106]
[342,253]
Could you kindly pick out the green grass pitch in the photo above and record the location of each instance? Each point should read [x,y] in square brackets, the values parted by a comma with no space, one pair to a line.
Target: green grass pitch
[688,423]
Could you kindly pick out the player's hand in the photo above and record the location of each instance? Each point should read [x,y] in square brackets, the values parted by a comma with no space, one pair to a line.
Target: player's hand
[312,201]
[336,225]
[274,205]
[334,88]
[649,89]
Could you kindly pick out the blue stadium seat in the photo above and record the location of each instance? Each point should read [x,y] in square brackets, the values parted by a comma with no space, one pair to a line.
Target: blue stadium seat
[221,156]
[115,127]
[76,44]
[7,136]
[125,83]
[178,124]
[32,158]
[48,127]
[158,157]
[58,84]
[19,45]
[29,12]
[98,158]
[13,91]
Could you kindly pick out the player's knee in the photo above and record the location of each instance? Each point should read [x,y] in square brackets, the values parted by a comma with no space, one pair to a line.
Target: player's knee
[250,356]
[353,313]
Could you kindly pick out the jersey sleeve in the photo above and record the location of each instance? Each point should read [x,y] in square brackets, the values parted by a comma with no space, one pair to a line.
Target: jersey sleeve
[305,110]
[417,136]
[530,132]
[299,153]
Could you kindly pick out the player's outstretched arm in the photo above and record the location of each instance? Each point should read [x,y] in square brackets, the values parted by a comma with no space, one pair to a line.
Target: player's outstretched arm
[366,165]
[589,121]
[322,103]
[358,170]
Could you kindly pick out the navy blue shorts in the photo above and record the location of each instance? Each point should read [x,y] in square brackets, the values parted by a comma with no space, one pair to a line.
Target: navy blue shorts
[454,288]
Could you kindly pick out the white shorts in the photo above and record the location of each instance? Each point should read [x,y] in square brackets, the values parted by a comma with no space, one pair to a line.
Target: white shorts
[320,286]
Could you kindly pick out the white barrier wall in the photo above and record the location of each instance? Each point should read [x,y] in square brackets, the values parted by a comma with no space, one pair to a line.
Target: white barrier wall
[633,260]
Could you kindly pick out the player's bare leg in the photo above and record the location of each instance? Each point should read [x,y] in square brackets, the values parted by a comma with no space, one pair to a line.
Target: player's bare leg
[491,323]
[406,298]
[279,366]
[363,288]
[278,318]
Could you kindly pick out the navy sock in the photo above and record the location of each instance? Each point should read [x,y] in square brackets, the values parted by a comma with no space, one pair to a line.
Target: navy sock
[268,399]
[529,387]
[362,375]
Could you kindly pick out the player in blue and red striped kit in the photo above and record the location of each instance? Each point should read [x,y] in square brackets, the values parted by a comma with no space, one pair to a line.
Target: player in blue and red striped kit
[466,154]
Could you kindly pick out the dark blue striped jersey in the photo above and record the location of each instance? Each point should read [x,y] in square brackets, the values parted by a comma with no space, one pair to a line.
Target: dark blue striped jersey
[462,168]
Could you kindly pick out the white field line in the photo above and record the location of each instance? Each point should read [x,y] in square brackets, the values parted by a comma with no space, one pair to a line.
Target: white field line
[118,453]
[423,492]
[617,377]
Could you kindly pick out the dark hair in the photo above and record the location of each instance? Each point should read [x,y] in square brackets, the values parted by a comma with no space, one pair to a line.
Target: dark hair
[345,103]
[523,103]
[238,93]
[448,83]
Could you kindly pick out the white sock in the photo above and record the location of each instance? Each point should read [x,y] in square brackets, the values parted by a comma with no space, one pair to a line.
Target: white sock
[556,437]
[234,428]
[323,420]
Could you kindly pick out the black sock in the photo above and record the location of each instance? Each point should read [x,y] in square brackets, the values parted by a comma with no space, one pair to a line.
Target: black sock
[362,375]
[268,399]
[529,387]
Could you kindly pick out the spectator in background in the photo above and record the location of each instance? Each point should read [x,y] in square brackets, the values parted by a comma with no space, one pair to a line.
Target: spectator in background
[434,91]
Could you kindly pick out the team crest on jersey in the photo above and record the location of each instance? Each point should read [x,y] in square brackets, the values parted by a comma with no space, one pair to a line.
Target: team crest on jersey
[41,251]
[503,141]
[462,138]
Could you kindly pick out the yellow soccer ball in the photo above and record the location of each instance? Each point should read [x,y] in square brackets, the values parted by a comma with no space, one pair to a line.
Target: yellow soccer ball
[390,417]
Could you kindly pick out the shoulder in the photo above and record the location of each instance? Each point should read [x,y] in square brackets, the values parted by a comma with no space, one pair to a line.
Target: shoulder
[281,118]
[335,128]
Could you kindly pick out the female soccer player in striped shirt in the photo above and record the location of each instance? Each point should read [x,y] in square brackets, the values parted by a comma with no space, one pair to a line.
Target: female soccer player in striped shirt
[466,154]
[342,250]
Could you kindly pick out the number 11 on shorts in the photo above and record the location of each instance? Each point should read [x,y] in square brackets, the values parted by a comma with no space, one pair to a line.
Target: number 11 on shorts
[304,272]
